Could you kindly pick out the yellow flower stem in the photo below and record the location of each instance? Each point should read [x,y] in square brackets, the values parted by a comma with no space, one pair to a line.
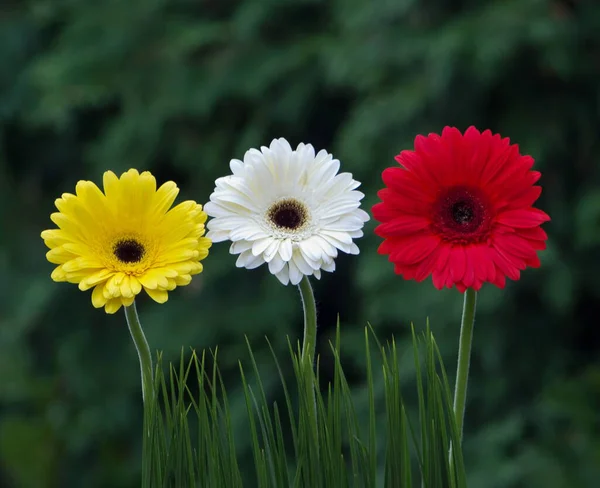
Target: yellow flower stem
[309,342]
[464,359]
[143,350]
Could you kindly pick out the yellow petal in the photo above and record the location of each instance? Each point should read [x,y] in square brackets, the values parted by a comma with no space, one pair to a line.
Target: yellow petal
[112,306]
[160,296]
[98,298]
[112,289]
[111,186]
[94,279]
[80,263]
[183,280]
[163,199]
[135,284]
[153,279]
[58,274]
[126,291]
[59,255]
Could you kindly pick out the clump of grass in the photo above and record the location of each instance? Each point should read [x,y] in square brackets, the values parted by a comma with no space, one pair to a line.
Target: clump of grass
[311,440]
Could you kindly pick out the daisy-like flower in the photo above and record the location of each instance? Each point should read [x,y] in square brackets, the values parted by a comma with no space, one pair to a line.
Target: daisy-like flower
[459,208]
[288,208]
[126,239]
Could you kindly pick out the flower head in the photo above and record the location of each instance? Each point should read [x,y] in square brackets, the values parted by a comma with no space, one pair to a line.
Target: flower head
[288,208]
[126,239]
[459,208]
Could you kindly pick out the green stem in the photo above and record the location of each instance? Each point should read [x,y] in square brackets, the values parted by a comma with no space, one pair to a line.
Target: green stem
[143,350]
[464,358]
[309,343]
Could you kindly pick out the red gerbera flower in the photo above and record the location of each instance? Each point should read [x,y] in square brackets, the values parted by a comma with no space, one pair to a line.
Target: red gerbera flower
[460,208]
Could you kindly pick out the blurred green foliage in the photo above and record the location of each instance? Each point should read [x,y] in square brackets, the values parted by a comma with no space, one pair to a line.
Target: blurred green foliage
[180,87]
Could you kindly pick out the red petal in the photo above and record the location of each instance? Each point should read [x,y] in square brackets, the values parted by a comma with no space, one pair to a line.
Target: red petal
[469,277]
[406,185]
[515,245]
[457,262]
[526,198]
[504,267]
[401,204]
[534,233]
[500,154]
[523,218]
[387,246]
[383,212]
[407,271]
[500,279]
[421,169]
[403,225]
[413,250]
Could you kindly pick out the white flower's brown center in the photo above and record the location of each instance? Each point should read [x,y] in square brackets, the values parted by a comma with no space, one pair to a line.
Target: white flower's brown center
[129,251]
[288,214]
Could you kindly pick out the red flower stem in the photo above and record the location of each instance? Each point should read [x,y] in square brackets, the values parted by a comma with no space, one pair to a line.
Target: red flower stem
[143,350]
[464,358]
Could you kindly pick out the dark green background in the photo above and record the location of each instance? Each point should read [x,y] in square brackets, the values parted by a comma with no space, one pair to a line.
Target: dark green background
[180,87]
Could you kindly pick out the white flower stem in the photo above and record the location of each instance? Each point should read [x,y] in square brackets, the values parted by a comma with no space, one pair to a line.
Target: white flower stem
[143,350]
[309,342]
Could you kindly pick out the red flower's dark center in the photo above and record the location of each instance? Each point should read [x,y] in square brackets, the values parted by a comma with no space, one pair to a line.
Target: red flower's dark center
[129,251]
[462,215]
[288,214]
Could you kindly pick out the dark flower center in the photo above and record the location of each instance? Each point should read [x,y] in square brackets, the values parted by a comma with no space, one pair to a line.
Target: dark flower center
[288,214]
[129,251]
[462,215]
[462,212]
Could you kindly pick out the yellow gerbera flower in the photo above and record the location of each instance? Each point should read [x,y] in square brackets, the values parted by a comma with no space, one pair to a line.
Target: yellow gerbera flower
[126,239]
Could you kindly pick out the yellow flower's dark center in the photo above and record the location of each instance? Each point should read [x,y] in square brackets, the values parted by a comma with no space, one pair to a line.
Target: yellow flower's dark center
[462,215]
[288,214]
[129,251]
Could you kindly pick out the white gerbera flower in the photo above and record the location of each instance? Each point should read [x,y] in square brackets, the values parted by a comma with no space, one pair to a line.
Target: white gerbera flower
[287,208]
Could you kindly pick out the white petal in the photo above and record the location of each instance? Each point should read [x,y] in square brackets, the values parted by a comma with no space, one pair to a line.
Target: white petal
[218,235]
[276,265]
[239,246]
[342,237]
[260,245]
[272,250]
[362,215]
[231,221]
[281,146]
[314,264]
[285,249]
[295,274]
[284,275]
[247,232]
[327,248]
[328,266]
[236,166]
[248,260]
[302,264]
[311,248]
